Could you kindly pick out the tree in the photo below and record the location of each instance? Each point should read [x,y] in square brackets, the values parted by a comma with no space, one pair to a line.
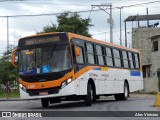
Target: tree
[7,71]
[70,22]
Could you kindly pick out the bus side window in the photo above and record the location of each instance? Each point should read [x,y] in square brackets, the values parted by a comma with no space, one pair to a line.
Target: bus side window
[125,59]
[109,57]
[117,59]
[136,61]
[131,60]
[80,58]
[90,53]
[99,55]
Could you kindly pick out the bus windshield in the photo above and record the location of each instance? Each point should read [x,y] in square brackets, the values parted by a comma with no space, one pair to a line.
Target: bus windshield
[44,60]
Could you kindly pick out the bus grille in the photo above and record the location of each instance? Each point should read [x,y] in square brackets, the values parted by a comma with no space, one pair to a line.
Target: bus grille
[49,91]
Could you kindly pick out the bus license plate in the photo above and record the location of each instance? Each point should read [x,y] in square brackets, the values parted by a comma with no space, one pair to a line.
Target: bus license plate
[43,93]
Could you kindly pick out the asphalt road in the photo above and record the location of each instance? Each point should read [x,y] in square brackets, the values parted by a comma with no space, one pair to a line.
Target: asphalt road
[134,103]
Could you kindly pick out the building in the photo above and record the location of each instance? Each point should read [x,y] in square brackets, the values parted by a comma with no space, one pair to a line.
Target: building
[147,40]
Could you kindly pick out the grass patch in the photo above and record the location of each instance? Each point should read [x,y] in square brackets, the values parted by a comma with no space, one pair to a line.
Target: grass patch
[13,94]
[152,93]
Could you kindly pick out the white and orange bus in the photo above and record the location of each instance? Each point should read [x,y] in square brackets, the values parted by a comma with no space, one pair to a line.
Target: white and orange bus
[66,66]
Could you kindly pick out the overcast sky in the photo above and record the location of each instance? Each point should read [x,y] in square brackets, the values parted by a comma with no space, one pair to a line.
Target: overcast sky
[25,26]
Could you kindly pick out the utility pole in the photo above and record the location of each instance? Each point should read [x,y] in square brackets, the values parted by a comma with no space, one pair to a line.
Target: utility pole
[120,25]
[7,33]
[111,24]
[147,18]
[110,21]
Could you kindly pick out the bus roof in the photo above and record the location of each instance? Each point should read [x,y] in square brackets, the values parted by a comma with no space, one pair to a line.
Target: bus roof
[41,34]
[73,35]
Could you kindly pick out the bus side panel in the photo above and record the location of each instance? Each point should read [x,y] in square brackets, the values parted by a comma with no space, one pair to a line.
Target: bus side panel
[71,89]
[91,74]
[113,81]
[82,84]
[136,83]
[110,81]
[124,75]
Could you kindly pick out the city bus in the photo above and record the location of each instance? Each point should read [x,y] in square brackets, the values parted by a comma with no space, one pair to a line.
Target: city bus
[61,66]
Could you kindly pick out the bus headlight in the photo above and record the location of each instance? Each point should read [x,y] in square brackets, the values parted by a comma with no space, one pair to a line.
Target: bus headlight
[20,85]
[23,87]
[69,80]
[66,82]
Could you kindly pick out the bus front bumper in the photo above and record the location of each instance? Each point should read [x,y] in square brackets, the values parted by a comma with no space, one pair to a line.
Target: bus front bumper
[70,89]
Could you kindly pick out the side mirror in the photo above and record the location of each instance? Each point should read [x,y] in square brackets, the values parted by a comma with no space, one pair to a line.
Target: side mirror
[14,58]
[77,51]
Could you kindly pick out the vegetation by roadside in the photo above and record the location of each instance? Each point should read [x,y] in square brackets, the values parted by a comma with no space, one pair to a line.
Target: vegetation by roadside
[158,75]
[142,93]
[152,93]
[13,94]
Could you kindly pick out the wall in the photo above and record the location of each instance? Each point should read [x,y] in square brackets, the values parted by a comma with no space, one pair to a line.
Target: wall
[142,39]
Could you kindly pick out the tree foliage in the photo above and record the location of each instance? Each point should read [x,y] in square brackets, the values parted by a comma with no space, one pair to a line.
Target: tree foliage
[70,22]
[7,71]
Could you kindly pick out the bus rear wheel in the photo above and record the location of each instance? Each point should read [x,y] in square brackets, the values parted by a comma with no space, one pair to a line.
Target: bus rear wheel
[124,95]
[44,102]
[89,96]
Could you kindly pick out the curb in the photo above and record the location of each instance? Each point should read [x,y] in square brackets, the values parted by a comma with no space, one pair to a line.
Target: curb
[15,99]
[19,99]
[141,95]
[10,99]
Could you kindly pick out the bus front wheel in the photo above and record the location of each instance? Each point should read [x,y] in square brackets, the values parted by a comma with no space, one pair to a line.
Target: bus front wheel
[89,96]
[45,102]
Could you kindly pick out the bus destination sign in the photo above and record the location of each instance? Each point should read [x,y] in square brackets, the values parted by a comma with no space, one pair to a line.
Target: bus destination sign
[42,40]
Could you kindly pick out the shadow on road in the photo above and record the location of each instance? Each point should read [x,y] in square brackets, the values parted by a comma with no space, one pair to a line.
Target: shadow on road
[73,104]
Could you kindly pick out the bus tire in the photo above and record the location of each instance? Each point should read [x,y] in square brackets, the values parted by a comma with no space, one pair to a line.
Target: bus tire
[124,95]
[44,102]
[126,92]
[89,96]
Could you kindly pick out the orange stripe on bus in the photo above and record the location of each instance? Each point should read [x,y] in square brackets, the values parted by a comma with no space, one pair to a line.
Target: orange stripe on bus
[47,84]
[85,69]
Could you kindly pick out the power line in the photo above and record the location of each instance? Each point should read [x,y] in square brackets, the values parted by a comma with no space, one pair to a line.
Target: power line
[11,0]
[138,4]
[75,11]
[110,21]
[70,12]
[48,14]
[50,3]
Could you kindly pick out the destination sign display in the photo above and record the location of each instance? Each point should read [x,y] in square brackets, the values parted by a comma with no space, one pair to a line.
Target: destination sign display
[42,40]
